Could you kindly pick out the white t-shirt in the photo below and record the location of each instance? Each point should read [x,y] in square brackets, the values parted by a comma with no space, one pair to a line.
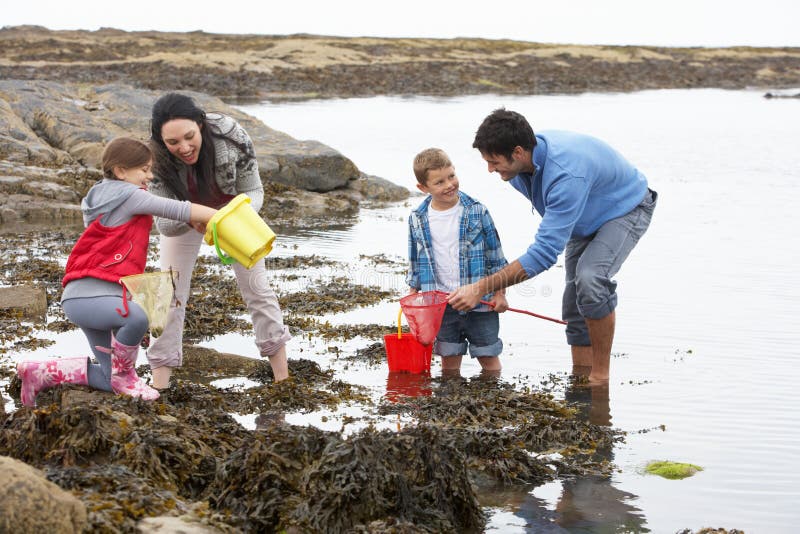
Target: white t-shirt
[444,227]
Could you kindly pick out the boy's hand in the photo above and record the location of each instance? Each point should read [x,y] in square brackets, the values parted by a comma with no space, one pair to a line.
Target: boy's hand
[500,302]
[412,290]
[465,297]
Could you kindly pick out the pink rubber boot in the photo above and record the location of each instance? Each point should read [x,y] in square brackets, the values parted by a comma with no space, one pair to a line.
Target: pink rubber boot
[37,376]
[124,380]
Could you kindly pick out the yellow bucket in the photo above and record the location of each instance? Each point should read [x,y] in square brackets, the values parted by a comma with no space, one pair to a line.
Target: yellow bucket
[236,229]
[154,293]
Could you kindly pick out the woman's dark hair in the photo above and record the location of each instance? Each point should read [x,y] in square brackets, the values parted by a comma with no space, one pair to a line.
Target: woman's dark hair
[502,131]
[165,165]
[126,153]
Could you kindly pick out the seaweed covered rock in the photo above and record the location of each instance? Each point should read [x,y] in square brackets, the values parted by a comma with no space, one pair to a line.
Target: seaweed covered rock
[319,482]
[30,503]
[415,476]
[509,435]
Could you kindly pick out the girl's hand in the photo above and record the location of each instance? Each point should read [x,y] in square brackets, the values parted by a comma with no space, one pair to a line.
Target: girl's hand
[200,227]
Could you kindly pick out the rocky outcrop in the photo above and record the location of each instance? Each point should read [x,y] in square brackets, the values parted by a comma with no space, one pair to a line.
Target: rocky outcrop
[31,503]
[52,136]
[31,302]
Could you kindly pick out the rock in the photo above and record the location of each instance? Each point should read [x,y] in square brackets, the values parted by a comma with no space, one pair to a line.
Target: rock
[19,143]
[31,503]
[203,365]
[379,189]
[781,95]
[30,301]
[173,525]
[46,125]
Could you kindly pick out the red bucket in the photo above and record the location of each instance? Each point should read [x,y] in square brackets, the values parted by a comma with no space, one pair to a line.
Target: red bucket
[405,353]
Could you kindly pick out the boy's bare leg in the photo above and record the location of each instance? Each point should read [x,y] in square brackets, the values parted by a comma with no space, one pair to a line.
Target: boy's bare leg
[601,333]
[490,366]
[279,364]
[161,376]
[451,365]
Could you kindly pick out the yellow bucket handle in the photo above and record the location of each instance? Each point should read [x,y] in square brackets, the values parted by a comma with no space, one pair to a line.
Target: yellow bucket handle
[226,260]
[399,327]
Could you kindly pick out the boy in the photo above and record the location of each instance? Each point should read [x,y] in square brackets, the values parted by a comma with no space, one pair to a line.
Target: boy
[452,241]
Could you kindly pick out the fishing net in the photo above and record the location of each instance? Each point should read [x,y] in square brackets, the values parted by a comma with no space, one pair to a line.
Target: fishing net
[424,312]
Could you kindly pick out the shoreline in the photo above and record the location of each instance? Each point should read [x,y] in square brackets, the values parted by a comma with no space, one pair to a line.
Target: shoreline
[300,67]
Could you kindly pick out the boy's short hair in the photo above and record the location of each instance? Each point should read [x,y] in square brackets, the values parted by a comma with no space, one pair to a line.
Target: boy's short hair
[428,160]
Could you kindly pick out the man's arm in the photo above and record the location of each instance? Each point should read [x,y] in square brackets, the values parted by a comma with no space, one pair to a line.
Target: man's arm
[467,297]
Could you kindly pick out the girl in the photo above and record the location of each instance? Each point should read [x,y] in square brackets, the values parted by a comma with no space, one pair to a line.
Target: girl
[118,214]
[208,159]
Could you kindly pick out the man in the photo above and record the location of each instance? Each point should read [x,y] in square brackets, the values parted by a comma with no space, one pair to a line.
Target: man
[594,205]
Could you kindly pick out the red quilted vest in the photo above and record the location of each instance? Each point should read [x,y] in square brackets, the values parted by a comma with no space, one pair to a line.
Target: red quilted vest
[110,252]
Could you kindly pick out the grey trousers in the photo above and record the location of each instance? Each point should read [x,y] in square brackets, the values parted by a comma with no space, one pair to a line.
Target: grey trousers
[591,262]
[180,254]
[98,318]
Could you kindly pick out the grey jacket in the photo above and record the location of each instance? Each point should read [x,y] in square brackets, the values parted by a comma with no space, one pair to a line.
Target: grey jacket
[236,172]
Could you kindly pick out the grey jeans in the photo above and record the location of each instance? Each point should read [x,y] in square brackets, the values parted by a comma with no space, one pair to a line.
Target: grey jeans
[591,262]
[180,254]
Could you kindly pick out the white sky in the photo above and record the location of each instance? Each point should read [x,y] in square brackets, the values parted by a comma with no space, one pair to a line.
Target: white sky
[661,22]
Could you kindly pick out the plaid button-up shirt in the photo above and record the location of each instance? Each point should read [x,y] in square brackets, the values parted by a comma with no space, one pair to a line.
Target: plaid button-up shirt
[480,252]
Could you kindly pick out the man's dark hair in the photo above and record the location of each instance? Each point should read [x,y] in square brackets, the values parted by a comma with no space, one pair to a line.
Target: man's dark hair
[502,131]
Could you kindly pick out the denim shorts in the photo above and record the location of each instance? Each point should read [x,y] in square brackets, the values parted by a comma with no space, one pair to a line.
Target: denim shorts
[476,329]
[591,262]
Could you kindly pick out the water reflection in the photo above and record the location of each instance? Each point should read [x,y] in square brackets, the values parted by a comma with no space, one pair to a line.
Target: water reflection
[586,504]
[400,384]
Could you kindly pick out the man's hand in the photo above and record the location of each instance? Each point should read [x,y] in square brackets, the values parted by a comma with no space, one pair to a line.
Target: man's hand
[500,302]
[465,297]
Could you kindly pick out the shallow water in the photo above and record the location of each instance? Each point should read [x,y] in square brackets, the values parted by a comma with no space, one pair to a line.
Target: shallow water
[707,334]
[702,369]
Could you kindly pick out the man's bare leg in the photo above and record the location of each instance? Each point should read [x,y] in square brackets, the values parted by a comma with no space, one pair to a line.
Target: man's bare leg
[581,360]
[601,333]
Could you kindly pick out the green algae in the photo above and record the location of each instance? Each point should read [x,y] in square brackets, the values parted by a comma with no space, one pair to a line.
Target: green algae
[672,470]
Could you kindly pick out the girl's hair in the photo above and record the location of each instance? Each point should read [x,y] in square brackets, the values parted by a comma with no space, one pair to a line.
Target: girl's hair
[125,152]
[430,159]
[166,166]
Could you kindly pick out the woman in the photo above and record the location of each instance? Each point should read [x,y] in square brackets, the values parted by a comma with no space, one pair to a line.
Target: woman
[207,159]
